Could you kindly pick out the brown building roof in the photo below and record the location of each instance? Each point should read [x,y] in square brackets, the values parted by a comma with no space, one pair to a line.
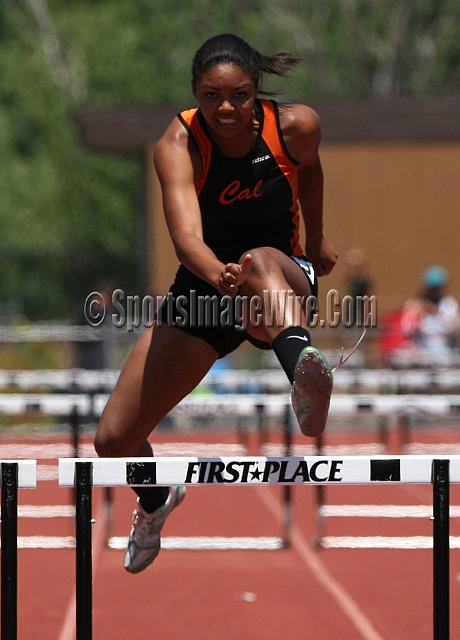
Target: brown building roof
[414,119]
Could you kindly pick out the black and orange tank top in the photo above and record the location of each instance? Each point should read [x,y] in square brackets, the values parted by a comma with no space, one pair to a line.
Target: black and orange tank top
[251,201]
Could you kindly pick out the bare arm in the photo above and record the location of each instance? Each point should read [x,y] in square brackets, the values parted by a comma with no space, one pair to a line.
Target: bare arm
[174,166]
[302,133]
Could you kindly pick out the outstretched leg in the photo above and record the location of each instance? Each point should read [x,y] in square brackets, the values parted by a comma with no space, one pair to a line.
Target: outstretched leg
[164,366]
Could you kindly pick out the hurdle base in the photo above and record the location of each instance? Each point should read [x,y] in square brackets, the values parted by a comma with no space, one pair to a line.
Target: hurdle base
[209,543]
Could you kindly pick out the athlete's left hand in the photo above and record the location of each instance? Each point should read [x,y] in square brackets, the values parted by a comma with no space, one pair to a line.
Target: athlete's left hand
[322,256]
[234,275]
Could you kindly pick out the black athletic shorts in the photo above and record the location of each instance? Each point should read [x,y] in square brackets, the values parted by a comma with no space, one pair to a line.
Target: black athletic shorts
[196,307]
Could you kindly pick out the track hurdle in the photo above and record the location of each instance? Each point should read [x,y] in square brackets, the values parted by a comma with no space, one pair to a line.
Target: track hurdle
[14,475]
[260,471]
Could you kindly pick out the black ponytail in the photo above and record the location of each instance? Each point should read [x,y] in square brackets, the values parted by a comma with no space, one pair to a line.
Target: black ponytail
[279,63]
[229,48]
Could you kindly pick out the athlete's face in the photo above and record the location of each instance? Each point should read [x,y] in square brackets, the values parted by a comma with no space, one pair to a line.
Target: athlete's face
[226,96]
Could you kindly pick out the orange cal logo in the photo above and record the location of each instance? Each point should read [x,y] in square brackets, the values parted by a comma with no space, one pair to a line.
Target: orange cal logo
[233,192]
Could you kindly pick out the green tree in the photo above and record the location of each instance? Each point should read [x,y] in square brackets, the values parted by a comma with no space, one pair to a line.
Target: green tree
[362,48]
[68,216]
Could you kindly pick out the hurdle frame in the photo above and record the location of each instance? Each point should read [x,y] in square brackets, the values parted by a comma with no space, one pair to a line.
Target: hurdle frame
[441,550]
[143,471]
[9,550]
[14,475]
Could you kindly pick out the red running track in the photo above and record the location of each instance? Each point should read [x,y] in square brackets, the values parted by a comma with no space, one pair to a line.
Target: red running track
[296,593]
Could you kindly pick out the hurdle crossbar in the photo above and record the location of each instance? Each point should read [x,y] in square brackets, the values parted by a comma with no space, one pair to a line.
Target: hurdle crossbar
[14,475]
[346,380]
[257,470]
[343,405]
[263,471]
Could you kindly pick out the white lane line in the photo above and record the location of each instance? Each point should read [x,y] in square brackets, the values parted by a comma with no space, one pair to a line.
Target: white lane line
[206,543]
[350,608]
[45,542]
[381,511]
[38,451]
[384,542]
[45,511]
[427,449]
[47,472]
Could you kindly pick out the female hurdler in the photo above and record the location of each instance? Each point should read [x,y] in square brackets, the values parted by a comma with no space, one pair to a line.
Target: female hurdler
[233,173]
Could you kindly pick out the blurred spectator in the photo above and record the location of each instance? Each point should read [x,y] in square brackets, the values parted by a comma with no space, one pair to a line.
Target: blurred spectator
[427,329]
[358,280]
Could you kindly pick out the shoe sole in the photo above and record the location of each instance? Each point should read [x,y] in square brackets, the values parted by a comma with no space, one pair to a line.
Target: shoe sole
[180,495]
[313,384]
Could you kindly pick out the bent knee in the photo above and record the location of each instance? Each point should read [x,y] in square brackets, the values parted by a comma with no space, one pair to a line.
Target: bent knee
[265,272]
[260,256]
[102,445]
[109,444]
[264,261]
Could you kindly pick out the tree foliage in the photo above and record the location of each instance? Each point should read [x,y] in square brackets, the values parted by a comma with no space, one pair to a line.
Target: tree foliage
[69,217]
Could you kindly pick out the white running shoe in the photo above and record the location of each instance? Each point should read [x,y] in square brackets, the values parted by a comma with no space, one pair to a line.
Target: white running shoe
[144,540]
[311,391]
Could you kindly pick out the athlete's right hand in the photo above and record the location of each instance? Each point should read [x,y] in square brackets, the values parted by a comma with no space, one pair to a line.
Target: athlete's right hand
[233,276]
[323,257]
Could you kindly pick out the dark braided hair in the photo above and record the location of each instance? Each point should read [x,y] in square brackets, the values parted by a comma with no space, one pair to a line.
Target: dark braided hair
[229,48]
